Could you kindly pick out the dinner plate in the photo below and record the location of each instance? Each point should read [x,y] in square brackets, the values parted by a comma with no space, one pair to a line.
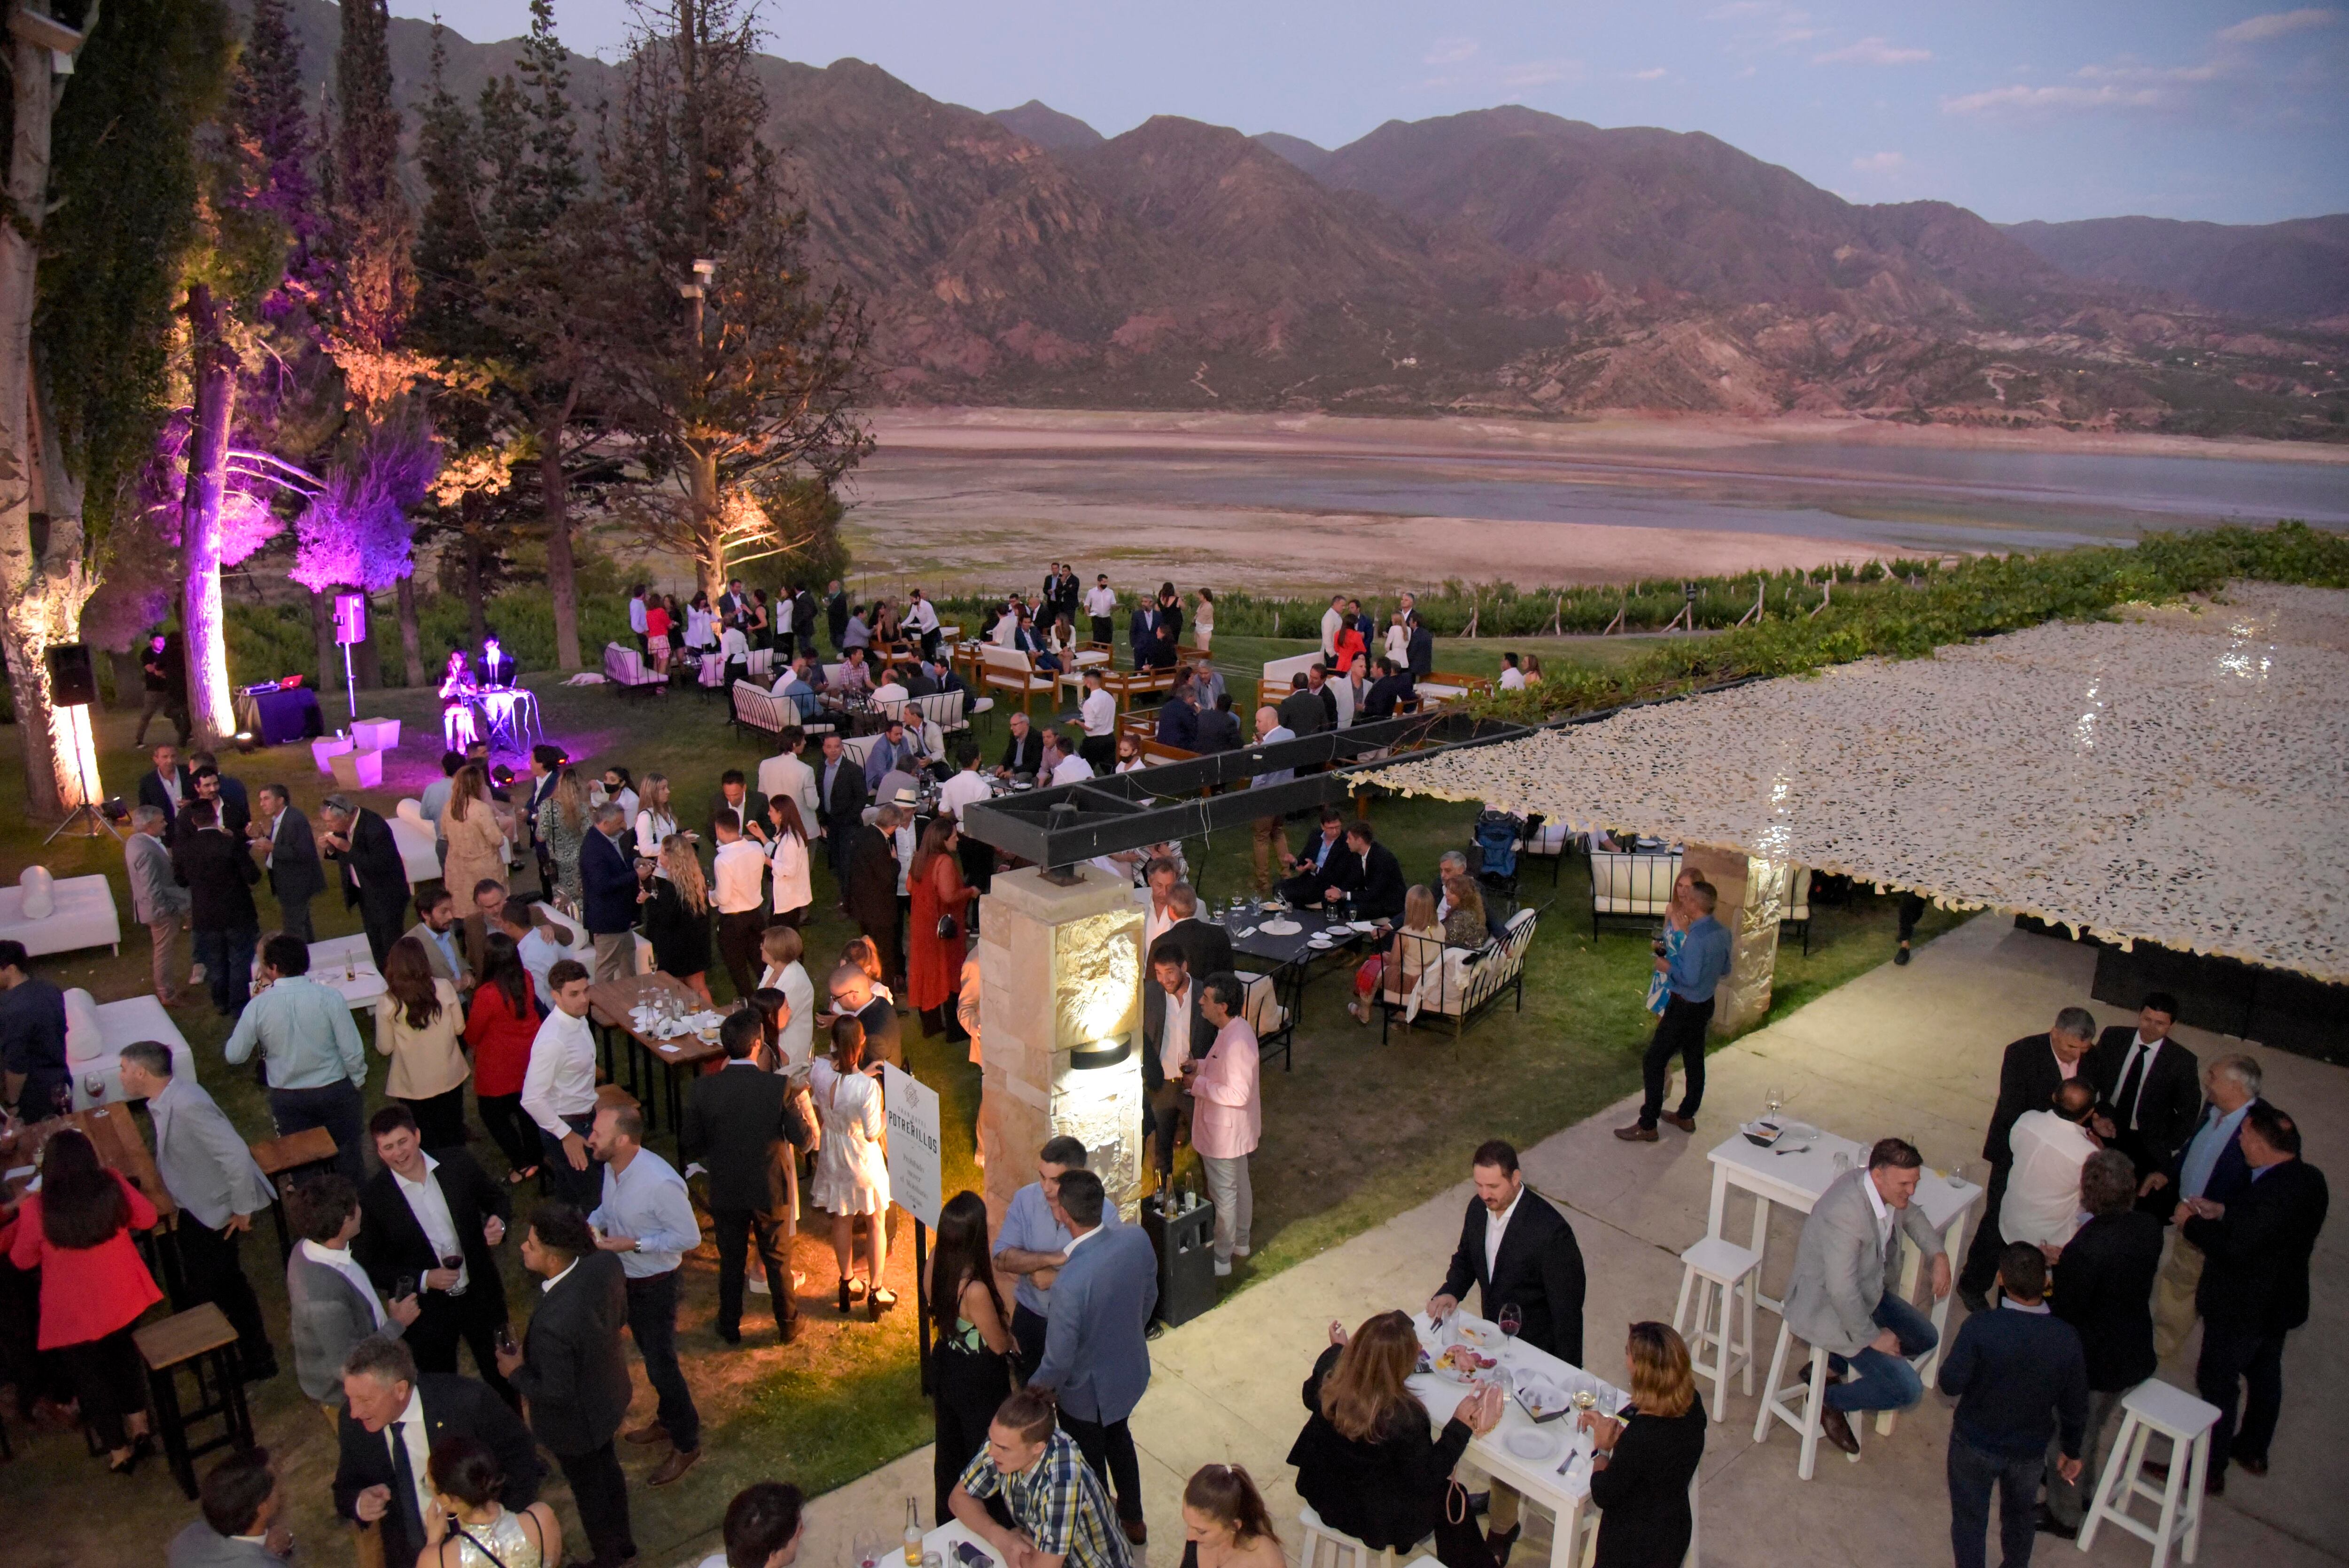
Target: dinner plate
[1320,944]
[1280,928]
[1530,1443]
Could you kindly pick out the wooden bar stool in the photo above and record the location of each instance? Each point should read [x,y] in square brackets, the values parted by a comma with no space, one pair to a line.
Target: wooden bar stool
[285,1161]
[189,1339]
[2154,1408]
[1801,1404]
[1720,1274]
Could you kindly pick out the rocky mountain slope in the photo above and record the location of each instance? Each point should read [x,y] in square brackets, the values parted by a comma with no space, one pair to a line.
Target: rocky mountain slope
[1502,261]
[2295,271]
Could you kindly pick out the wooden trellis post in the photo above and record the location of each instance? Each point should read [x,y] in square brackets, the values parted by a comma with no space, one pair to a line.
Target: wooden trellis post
[1753,618]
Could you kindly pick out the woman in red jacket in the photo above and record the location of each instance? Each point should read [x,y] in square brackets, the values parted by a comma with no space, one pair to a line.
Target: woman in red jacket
[503,1022]
[94,1285]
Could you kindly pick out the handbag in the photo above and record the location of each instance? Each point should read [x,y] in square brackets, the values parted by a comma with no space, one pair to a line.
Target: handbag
[948,928]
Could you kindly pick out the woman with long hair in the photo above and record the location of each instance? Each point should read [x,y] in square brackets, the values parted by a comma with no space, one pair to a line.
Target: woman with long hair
[793,1034]
[467,1525]
[658,622]
[1639,1475]
[1533,669]
[761,627]
[499,1031]
[940,898]
[1203,623]
[973,1361]
[77,1230]
[676,902]
[860,952]
[1365,1461]
[418,1020]
[1225,1521]
[1463,921]
[1395,970]
[699,635]
[1351,648]
[851,1177]
[1129,753]
[787,853]
[563,828]
[656,814]
[1679,915]
[477,842]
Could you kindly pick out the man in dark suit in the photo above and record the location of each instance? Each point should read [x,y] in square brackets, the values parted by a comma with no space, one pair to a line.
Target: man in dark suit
[749,806]
[869,890]
[1206,947]
[1096,1350]
[392,1418]
[167,785]
[803,621]
[1174,1031]
[374,879]
[1178,718]
[545,771]
[571,1370]
[2028,1076]
[1324,865]
[1024,751]
[212,784]
[835,618]
[2104,1280]
[1143,635]
[2022,1386]
[1220,727]
[219,876]
[1391,691]
[1420,653]
[419,1210]
[282,834]
[1318,686]
[852,993]
[2149,1089]
[1378,885]
[738,1124]
[1301,711]
[2254,1287]
[607,888]
[841,796]
[1519,1252]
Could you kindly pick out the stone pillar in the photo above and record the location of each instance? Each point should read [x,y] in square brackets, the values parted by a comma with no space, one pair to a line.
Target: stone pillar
[1059,1029]
[1752,898]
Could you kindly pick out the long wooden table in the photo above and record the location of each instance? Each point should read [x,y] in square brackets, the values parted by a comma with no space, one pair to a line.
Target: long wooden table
[610,1004]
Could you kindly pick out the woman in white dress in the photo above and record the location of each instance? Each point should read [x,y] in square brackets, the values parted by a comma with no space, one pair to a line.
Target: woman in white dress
[655,820]
[781,949]
[787,851]
[850,1176]
[1202,621]
[468,1527]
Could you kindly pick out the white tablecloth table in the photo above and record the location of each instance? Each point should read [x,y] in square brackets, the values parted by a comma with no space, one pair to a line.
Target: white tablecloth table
[364,982]
[1798,1179]
[943,1541]
[1564,1497]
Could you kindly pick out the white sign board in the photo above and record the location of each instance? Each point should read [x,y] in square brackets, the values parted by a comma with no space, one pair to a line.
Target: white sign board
[916,1170]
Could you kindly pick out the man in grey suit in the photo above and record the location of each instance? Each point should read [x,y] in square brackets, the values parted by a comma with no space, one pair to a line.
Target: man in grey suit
[1096,1349]
[240,1529]
[1836,1301]
[328,1295]
[158,902]
[210,1174]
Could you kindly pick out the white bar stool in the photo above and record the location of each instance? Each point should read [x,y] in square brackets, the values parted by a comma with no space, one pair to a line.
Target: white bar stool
[1719,1272]
[2157,1408]
[1801,1404]
[1345,1552]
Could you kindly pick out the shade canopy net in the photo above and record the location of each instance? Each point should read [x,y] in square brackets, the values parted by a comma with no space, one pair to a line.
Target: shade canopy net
[2178,776]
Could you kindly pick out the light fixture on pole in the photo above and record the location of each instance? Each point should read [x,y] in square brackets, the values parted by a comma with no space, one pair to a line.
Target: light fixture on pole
[73,686]
[350,626]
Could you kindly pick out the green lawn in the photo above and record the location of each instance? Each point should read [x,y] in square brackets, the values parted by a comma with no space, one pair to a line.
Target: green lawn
[1356,1132]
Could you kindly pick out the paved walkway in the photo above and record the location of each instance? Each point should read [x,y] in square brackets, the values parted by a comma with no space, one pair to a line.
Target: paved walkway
[1911,1051]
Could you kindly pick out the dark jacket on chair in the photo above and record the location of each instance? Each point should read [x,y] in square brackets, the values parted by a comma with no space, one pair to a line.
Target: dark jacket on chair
[734,1126]
[219,874]
[391,1243]
[1386,1490]
[2104,1288]
[1642,1494]
[1540,1269]
[607,885]
[454,1407]
[372,870]
[574,1372]
[2255,1257]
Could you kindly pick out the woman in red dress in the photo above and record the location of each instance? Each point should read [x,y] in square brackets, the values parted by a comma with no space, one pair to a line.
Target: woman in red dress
[934,969]
[94,1285]
[499,1030]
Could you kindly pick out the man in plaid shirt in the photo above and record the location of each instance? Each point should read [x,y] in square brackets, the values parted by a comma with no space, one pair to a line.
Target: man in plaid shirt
[1059,1512]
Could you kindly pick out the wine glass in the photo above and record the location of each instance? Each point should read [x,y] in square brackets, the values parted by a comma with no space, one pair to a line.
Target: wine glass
[1775,1099]
[95,1083]
[866,1552]
[403,1287]
[1510,1319]
[453,1261]
[61,1097]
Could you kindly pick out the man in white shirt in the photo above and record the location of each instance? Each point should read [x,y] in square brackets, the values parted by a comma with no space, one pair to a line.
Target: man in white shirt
[1513,677]
[966,787]
[1098,713]
[1271,846]
[921,622]
[636,619]
[1072,767]
[2043,1195]
[738,887]
[784,777]
[891,689]
[1333,621]
[558,1089]
[1101,608]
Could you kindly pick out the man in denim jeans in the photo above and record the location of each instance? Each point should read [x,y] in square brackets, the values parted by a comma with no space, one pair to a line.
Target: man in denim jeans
[1838,1301]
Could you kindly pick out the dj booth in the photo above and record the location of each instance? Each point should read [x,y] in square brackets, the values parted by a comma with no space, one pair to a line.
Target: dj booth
[275,715]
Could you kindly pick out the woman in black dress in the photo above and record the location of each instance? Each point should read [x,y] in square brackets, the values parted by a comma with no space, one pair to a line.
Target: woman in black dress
[675,900]
[974,1360]
[1365,1461]
[1639,1477]
[1226,1523]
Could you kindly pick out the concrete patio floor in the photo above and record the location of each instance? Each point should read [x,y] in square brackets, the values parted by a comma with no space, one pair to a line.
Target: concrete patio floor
[1911,1051]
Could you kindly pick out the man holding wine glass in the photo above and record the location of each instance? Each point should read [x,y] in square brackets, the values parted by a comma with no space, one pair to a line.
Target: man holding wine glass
[435,1221]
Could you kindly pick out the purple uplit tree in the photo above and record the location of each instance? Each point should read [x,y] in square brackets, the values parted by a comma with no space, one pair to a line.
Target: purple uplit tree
[354,532]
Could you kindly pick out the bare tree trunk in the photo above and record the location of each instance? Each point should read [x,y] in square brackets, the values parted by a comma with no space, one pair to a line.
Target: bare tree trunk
[411,636]
[322,630]
[555,500]
[200,613]
[708,527]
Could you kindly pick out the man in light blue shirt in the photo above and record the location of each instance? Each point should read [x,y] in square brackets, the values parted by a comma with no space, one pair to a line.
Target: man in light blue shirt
[646,1217]
[1689,977]
[1271,842]
[316,1066]
[1032,1244]
[2212,1166]
[435,800]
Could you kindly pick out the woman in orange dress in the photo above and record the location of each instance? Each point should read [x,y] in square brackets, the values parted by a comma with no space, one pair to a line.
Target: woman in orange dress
[934,970]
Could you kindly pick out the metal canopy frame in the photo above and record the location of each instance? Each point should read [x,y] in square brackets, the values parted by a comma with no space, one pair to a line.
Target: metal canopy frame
[1061,826]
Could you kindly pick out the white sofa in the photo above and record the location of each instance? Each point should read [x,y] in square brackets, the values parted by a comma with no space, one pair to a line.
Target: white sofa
[1630,888]
[418,851]
[624,669]
[97,1031]
[52,914]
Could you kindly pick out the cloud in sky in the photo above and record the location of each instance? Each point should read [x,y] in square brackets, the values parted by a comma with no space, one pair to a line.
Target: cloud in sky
[2276,23]
[1451,51]
[1879,162]
[2031,100]
[1652,73]
[1872,52]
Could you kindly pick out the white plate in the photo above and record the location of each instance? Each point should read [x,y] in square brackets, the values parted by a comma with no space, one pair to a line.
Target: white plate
[1799,1131]
[1320,943]
[1530,1443]
[1365,926]
[1280,928]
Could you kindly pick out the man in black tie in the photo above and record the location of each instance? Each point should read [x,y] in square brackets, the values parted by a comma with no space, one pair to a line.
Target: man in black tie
[2033,1069]
[571,1370]
[2148,1091]
[2255,1288]
[392,1416]
[738,1123]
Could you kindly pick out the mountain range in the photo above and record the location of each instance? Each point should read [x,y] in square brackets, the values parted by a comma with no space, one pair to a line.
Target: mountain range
[1502,261]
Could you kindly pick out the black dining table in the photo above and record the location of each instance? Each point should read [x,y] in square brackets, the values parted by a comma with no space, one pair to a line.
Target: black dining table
[1289,958]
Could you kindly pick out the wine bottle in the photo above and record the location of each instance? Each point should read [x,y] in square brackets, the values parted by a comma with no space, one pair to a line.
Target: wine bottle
[913,1533]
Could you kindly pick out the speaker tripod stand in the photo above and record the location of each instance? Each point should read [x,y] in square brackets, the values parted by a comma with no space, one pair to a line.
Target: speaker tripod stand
[91,820]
